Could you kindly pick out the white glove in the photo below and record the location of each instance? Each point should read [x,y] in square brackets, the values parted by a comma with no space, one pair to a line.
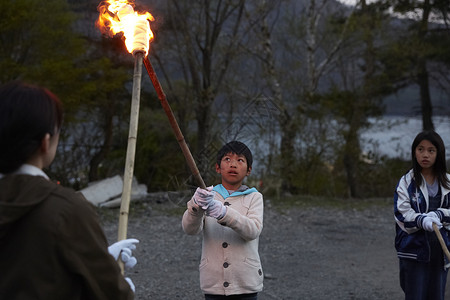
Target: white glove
[427,223]
[433,214]
[216,209]
[435,218]
[203,198]
[124,249]
[133,288]
[128,259]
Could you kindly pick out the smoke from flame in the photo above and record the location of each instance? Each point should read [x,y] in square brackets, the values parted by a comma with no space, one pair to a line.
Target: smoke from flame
[119,16]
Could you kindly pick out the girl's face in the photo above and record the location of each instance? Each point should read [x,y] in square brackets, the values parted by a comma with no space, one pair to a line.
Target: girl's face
[426,154]
[233,169]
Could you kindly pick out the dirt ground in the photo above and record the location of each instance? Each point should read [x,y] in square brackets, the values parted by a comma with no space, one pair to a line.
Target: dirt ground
[307,252]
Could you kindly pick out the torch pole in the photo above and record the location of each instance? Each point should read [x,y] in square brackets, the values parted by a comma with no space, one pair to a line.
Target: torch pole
[173,122]
[131,147]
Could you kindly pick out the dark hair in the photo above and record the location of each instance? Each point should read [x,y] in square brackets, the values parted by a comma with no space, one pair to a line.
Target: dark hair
[238,148]
[439,167]
[27,114]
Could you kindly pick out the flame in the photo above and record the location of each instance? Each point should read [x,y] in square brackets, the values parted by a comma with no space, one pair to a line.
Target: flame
[119,16]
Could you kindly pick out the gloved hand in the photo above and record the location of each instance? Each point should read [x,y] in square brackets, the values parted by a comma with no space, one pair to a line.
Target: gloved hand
[204,197]
[433,214]
[124,249]
[129,261]
[427,223]
[216,209]
[435,217]
[133,288]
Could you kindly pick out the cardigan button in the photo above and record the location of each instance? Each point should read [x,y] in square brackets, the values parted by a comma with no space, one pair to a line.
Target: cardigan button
[225,265]
[226,203]
[224,244]
[226,284]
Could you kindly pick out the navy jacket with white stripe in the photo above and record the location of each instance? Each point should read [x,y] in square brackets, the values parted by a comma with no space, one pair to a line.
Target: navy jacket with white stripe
[411,203]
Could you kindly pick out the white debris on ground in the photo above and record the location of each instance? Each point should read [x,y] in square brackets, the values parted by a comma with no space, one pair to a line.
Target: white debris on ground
[108,192]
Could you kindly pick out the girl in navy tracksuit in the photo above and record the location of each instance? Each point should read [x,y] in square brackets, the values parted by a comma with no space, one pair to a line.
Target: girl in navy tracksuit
[421,199]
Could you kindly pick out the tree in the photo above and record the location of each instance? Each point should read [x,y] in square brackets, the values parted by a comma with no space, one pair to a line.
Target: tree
[422,49]
[363,96]
[206,37]
[286,115]
[29,31]
[314,48]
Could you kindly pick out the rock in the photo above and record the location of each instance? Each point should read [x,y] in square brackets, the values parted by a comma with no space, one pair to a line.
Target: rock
[108,192]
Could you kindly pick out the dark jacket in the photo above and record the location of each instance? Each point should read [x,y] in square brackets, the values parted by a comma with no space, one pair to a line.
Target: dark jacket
[411,203]
[52,245]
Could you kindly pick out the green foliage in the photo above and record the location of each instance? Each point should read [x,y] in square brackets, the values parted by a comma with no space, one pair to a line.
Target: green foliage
[441,43]
[103,85]
[316,178]
[95,119]
[38,43]
[159,161]
[380,178]
[376,177]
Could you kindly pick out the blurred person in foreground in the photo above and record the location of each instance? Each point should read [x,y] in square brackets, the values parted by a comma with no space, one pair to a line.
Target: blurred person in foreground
[230,217]
[51,243]
[421,199]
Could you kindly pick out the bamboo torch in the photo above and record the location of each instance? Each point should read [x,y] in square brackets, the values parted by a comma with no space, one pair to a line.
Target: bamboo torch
[119,16]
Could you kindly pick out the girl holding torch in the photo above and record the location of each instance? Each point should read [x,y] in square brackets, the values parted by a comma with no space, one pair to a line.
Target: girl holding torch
[51,243]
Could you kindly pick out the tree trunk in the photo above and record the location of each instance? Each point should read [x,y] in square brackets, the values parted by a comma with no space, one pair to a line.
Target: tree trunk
[425,98]
[352,149]
[422,72]
[285,120]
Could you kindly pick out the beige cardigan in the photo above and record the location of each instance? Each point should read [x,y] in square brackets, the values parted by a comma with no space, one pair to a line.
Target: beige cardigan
[230,262]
